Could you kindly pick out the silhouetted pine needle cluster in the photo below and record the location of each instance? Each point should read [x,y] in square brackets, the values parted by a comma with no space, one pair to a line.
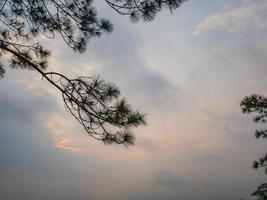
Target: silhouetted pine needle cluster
[257,104]
[261,192]
[94,103]
[145,10]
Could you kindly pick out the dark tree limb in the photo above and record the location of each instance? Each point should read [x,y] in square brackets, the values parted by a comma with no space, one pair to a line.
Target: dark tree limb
[94,103]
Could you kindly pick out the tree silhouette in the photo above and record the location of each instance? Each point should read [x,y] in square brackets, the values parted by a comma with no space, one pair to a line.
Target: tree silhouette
[257,104]
[261,192]
[93,102]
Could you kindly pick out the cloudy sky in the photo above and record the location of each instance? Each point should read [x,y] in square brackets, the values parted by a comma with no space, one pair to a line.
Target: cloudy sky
[187,70]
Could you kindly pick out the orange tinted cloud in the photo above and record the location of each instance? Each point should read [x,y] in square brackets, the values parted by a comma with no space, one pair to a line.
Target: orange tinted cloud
[60,139]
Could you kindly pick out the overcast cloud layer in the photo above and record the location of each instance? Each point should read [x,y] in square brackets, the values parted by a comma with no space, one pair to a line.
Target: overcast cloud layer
[188,70]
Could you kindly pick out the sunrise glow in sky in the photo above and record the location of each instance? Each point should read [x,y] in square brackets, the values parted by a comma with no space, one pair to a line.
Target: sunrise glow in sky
[187,70]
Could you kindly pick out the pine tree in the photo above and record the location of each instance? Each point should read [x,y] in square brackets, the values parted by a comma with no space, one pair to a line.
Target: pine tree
[93,102]
[257,104]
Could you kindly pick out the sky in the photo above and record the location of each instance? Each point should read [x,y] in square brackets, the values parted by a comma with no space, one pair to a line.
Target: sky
[187,70]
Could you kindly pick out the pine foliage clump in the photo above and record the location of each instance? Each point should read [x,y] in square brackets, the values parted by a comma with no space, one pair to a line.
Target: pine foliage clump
[97,105]
[257,104]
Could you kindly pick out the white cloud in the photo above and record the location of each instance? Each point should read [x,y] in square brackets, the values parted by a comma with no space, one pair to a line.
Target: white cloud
[250,14]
